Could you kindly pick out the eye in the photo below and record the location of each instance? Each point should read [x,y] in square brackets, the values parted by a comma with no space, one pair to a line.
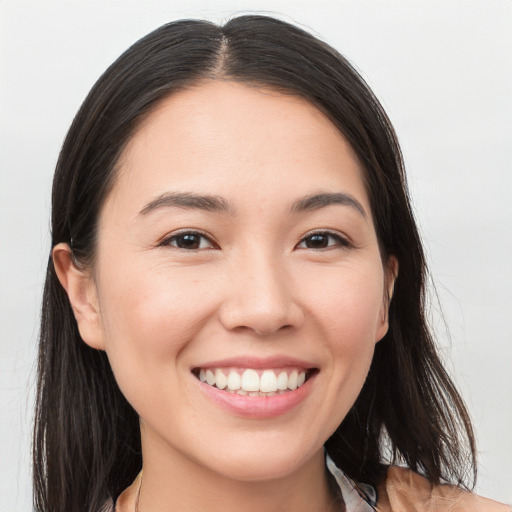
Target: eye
[189,240]
[322,240]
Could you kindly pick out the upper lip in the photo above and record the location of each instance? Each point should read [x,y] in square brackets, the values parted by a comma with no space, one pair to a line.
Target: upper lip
[278,361]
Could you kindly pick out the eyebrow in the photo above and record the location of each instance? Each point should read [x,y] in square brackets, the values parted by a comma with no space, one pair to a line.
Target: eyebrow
[211,203]
[318,201]
[188,201]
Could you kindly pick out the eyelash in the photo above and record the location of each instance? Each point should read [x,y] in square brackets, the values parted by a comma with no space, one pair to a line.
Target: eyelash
[340,241]
[168,241]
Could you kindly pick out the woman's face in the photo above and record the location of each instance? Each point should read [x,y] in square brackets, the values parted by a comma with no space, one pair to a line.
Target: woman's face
[238,246]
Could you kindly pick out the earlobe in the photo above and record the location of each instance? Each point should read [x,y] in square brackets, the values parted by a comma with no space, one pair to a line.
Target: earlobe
[82,295]
[391,277]
[391,274]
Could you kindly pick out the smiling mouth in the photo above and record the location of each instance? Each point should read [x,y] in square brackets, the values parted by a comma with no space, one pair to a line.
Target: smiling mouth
[254,382]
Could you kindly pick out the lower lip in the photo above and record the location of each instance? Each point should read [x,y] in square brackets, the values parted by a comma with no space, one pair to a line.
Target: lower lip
[260,407]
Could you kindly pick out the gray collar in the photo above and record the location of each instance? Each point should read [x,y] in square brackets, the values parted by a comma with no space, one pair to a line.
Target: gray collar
[357,497]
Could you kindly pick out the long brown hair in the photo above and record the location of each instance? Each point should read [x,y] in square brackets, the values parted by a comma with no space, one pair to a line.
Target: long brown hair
[86,436]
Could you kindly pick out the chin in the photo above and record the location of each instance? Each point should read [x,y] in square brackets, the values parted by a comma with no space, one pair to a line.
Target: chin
[256,464]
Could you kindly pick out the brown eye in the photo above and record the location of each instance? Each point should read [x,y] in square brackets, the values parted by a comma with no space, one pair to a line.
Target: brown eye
[189,241]
[318,241]
[322,241]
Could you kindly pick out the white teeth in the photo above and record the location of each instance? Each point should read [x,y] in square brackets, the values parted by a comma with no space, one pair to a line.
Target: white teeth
[234,381]
[268,381]
[293,379]
[282,381]
[251,383]
[250,380]
[221,381]
[210,378]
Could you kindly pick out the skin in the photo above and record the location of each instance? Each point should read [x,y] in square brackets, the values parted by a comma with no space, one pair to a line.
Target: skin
[255,287]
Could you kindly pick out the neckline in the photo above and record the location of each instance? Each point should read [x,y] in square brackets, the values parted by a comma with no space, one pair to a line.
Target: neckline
[356,497]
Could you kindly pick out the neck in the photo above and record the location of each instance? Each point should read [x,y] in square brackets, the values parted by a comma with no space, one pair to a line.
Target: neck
[173,482]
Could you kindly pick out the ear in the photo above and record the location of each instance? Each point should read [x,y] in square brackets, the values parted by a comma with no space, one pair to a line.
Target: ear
[391,273]
[82,294]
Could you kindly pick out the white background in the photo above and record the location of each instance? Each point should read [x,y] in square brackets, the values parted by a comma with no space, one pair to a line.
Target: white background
[443,70]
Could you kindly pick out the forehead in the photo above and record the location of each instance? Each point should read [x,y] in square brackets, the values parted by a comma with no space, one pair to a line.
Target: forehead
[229,137]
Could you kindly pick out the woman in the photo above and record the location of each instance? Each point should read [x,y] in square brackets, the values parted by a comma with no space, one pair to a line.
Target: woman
[233,314]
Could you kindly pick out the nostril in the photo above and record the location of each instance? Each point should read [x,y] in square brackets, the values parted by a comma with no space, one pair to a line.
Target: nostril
[269,331]
[260,309]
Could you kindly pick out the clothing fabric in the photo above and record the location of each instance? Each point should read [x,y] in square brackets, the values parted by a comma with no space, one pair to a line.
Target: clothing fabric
[357,497]
[406,491]
[402,490]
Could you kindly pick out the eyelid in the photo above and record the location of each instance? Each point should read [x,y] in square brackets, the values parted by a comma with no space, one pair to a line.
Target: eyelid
[343,240]
[166,240]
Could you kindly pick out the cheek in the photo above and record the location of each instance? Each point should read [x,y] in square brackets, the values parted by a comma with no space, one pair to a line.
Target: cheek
[148,322]
[348,309]
[351,319]
[348,306]
[151,305]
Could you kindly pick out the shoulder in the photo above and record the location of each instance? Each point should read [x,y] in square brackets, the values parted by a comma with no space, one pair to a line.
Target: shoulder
[403,489]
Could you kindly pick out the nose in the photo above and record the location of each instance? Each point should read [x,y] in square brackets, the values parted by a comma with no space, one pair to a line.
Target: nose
[261,298]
